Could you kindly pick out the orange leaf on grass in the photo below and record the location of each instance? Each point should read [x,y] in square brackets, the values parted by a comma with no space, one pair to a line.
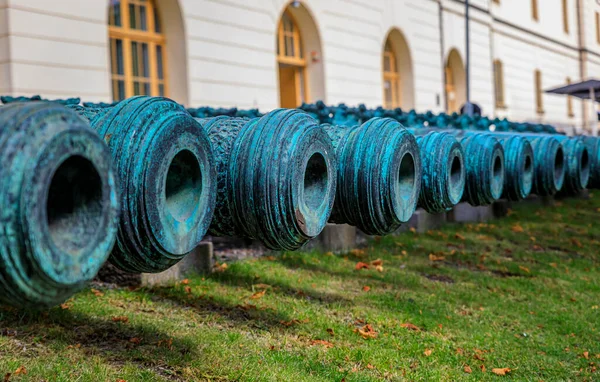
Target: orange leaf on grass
[467,369]
[367,331]
[122,319]
[501,371]
[97,293]
[360,265]
[258,295]
[524,269]
[586,355]
[410,326]
[517,228]
[188,290]
[366,288]
[377,262]
[459,236]
[20,371]
[327,344]
[428,352]
[185,281]
[433,257]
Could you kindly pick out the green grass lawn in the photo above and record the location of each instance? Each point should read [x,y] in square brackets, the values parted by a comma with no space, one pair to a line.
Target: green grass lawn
[521,293]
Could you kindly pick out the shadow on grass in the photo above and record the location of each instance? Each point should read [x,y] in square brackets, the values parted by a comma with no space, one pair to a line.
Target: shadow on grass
[57,330]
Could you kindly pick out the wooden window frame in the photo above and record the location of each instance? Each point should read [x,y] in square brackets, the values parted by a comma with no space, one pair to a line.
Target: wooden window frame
[392,76]
[298,59]
[129,35]
[534,10]
[598,27]
[499,84]
[570,112]
[565,16]
[539,97]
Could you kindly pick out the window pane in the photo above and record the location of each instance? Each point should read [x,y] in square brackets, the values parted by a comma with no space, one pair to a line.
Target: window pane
[136,88]
[145,61]
[121,87]
[157,26]
[146,88]
[119,58]
[134,59]
[132,16]
[159,62]
[143,18]
[115,13]
[386,63]
[161,90]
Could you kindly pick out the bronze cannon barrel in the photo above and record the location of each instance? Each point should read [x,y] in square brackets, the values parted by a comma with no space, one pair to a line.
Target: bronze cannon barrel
[167,176]
[59,204]
[276,177]
[379,175]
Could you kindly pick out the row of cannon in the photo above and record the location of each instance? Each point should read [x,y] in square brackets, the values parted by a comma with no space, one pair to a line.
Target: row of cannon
[142,181]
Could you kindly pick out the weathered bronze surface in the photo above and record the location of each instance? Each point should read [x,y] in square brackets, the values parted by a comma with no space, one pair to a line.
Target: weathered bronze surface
[167,176]
[379,175]
[276,177]
[58,204]
[593,146]
[444,173]
[577,172]
[485,168]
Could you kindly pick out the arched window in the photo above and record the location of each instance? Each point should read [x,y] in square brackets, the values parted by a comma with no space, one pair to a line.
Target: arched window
[292,63]
[137,49]
[499,84]
[391,78]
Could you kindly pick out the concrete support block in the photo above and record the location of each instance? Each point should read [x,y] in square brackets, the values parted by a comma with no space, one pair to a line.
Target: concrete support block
[422,221]
[500,208]
[335,238]
[466,213]
[200,260]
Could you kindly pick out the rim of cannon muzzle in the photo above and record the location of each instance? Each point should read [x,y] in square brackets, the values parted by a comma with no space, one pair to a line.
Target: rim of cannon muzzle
[550,164]
[167,178]
[444,173]
[277,177]
[519,162]
[593,146]
[59,202]
[578,166]
[379,175]
[485,169]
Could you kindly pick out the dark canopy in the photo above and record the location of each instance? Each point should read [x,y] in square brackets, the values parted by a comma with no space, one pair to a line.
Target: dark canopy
[580,89]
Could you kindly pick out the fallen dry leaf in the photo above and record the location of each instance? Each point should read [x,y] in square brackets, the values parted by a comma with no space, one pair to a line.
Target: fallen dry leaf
[65,306]
[467,369]
[369,366]
[330,331]
[20,371]
[377,262]
[357,252]
[327,344]
[97,293]
[122,319]
[428,352]
[433,257]
[366,288]
[185,281]
[188,290]
[367,331]
[413,230]
[517,228]
[360,265]
[501,371]
[220,267]
[258,295]
[410,326]
[482,367]
[135,340]
[586,355]
[576,242]
[379,268]
[459,236]
[524,269]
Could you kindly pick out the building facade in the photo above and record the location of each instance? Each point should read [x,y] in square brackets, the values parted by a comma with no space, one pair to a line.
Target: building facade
[270,53]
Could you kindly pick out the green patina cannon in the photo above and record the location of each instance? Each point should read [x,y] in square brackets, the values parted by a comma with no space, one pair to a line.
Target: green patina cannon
[444,173]
[167,175]
[379,175]
[59,204]
[276,177]
[593,147]
[484,166]
[577,173]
